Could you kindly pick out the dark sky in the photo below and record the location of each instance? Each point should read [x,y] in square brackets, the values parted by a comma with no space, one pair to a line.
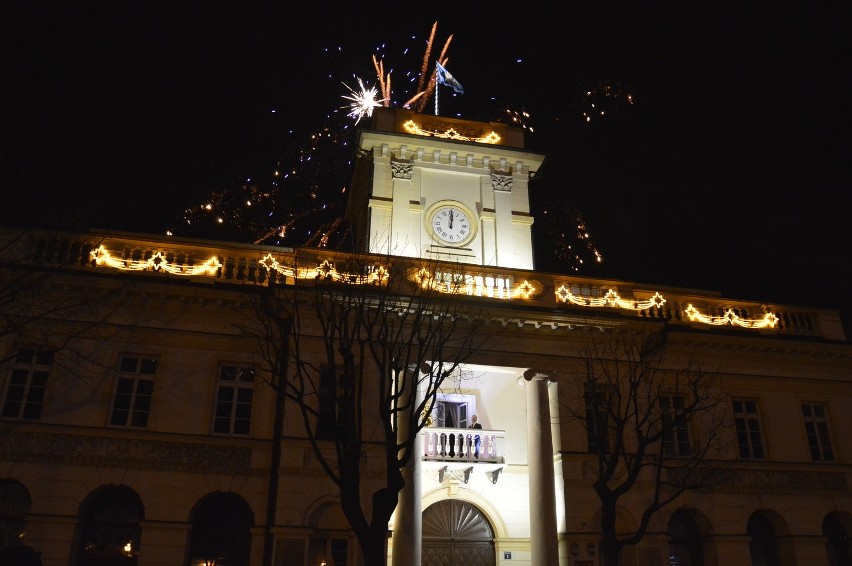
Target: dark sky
[728,172]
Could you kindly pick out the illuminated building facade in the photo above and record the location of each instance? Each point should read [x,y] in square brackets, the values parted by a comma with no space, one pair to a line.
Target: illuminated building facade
[137,422]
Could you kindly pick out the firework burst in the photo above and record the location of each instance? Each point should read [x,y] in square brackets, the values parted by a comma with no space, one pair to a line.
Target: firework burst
[362,102]
[301,200]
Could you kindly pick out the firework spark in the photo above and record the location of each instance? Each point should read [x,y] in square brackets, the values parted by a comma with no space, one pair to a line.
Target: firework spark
[604,99]
[363,102]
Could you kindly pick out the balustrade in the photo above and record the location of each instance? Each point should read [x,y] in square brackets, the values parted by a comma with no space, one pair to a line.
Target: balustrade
[460,445]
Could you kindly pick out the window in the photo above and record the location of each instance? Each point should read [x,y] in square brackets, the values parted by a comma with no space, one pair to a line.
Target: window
[25,393]
[816,426]
[336,404]
[747,423]
[233,400]
[452,414]
[132,401]
[597,421]
[676,431]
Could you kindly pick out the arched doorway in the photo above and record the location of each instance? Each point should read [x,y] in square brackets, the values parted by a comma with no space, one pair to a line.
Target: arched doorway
[111,532]
[455,533]
[221,531]
[685,548]
[15,503]
[763,543]
[835,528]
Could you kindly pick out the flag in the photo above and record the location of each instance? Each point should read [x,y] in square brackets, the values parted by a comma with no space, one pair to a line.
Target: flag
[445,78]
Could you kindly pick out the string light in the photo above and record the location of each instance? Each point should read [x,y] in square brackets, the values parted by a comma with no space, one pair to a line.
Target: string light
[459,283]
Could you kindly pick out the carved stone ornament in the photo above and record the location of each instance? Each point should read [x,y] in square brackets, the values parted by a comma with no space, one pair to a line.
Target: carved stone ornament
[401,168]
[124,452]
[501,181]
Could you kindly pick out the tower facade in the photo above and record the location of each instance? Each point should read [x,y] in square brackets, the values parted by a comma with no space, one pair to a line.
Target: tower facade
[444,189]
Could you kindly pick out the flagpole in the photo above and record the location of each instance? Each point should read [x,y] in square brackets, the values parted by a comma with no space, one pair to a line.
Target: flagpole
[436,88]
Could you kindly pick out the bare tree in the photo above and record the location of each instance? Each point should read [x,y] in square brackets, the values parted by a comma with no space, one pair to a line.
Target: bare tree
[651,423]
[35,275]
[51,310]
[360,351]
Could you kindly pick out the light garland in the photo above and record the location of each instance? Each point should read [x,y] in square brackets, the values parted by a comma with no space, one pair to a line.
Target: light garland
[611,299]
[156,262]
[413,128]
[326,270]
[488,286]
[769,319]
[476,285]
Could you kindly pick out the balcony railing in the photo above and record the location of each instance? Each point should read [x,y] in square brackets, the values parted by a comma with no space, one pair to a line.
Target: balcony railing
[562,296]
[460,445]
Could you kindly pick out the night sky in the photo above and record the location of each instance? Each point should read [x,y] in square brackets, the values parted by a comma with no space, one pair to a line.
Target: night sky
[728,171]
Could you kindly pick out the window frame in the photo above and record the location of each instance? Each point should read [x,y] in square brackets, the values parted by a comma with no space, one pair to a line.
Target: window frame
[135,377]
[749,419]
[596,405]
[460,406]
[238,388]
[823,453]
[679,435]
[32,395]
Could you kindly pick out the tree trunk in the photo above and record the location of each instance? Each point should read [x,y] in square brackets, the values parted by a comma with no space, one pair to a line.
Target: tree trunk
[374,549]
[610,547]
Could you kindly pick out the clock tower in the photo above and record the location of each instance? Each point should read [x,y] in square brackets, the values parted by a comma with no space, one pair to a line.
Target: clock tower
[443,188]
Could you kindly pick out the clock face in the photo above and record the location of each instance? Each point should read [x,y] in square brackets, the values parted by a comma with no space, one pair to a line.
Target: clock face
[451,224]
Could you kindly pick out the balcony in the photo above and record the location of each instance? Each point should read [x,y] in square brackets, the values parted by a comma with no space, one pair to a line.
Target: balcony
[458,445]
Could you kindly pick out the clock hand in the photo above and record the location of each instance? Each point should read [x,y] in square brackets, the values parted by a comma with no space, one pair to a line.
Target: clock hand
[451,219]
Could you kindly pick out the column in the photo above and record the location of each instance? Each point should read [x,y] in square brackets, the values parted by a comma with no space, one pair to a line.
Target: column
[544,548]
[403,240]
[408,525]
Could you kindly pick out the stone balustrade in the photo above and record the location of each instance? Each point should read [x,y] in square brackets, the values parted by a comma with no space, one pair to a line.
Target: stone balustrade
[459,445]
[563,296]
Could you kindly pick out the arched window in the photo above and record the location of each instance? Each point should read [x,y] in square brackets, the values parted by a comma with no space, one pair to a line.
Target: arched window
[455,533]
[763,545]
[221,531]
[684,540]
[15,503]
[110,518]
[838,543]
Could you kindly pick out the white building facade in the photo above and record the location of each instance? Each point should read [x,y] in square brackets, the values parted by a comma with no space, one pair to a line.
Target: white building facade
[138,425]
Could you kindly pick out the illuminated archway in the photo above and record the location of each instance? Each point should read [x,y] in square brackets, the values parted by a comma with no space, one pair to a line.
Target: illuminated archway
[457,533]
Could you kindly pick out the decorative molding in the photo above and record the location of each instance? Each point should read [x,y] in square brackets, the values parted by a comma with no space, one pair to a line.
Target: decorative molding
[501,181]
[775,481]
[125,453]
[401,168]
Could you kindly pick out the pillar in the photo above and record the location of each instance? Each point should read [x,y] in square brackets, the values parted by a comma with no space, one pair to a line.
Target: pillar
[544,548]
[408,525]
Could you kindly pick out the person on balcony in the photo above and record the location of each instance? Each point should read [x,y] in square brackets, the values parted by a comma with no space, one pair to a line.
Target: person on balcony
[477,441]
